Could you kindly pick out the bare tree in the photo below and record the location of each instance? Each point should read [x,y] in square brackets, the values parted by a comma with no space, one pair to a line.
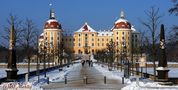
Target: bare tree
[152,23]
[174,9]
[18,29]
[111,47]
[28,37]
[173,38]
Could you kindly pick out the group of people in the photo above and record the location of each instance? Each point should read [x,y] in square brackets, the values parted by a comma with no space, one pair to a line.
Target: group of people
[90,63]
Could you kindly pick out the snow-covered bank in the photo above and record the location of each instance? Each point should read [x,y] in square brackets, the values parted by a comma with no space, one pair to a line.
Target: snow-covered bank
[172,71]
[141,85]
[114,74]
[21,71]
[54,76]
[131,84]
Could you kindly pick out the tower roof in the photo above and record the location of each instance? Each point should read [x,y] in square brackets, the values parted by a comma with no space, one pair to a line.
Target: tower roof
[122,22]
[52,14]
[52,23]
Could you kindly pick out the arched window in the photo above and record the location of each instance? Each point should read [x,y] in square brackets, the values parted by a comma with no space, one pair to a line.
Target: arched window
[79,51]
[93,50]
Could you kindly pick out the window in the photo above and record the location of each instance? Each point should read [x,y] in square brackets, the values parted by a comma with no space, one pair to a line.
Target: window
[107,39]
[79,44]
[92,44]
[86,38]
[66,39]
[86,44]
[117,43]
[136,36]
[102,39]
[92,34]
[79,51]
[123,43]
[74,39]
[102,34]
[122,38]
[117,38]
[117,33]
[51,38]
[92,39]
[107,34]
[102,44]
[98,39]
[92,51]
[98,44]
[79,39]
[57,38]
[128,38]
[79,35]
[85,34]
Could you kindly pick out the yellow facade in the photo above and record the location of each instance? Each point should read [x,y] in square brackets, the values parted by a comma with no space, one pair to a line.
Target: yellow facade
[86,40]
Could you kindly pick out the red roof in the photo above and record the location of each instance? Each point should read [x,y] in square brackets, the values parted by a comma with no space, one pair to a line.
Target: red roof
[125,25]
[52,24]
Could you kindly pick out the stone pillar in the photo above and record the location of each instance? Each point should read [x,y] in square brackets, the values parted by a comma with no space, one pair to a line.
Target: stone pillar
[12,67]
[162,64]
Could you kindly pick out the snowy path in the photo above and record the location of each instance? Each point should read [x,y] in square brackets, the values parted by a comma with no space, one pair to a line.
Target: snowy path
[95,80]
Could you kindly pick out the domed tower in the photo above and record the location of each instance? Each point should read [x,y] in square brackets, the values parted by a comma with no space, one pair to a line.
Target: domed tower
[52,34]
[122,34]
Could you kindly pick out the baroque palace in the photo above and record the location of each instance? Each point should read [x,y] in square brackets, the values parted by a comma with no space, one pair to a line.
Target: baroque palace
[87,40]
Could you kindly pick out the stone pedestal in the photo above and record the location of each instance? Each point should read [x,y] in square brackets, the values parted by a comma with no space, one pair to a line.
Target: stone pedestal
[11,75]
[162,75]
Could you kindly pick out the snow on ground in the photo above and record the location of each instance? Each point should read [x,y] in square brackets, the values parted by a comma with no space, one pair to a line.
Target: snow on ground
[54,76]
[21,71]
[131,84]
[167,62]
[114,74]
[142,85]
[172,71]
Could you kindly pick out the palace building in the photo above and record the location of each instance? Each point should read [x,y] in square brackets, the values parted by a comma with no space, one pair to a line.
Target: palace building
[87,40]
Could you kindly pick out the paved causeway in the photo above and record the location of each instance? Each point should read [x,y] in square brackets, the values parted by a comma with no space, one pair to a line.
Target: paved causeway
[75,80]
